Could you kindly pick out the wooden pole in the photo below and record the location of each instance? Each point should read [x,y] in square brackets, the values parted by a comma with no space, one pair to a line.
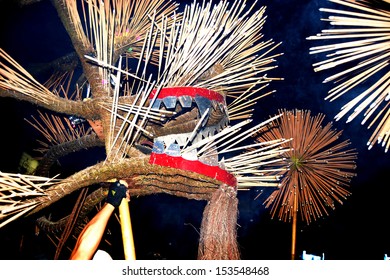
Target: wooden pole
[294,227]
[127,231]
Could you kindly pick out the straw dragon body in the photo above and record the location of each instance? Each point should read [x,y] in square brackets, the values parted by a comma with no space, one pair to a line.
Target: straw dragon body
[161,135]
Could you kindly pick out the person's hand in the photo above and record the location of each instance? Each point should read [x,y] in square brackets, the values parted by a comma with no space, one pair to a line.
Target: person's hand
[116,193]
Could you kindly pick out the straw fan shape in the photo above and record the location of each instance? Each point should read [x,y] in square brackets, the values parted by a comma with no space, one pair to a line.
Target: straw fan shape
[357,49]
[320,166]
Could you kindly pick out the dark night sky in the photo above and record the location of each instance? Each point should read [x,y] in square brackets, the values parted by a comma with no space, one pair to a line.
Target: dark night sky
[168,225]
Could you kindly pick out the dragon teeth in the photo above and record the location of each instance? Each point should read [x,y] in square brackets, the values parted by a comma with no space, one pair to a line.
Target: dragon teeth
[182,138]
[203,104]
[157,104]
[158,147]
[173,150]
[209,160]
[185,101]
[170,102]
[191,155]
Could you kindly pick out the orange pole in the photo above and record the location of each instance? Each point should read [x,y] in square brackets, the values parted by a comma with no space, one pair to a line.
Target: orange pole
[127,231]
[294,227]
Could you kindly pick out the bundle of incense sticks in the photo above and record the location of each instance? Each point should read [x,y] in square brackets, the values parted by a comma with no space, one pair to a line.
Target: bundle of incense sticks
[113,26]
[320,167]
[56,130]
[360,34]
[14,78]
[250,166]
[15,189]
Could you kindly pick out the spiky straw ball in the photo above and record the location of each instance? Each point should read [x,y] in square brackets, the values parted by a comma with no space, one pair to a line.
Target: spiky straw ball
[320,167]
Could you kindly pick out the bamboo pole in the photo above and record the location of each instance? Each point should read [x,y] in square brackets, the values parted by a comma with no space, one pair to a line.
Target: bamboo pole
[127,231]
[294,227]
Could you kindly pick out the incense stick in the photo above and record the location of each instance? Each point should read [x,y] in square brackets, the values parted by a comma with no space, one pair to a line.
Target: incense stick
[363,32]
[16,189]
[320,165]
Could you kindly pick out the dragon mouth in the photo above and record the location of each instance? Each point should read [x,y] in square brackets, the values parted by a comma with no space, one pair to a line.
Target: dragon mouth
[200,113]
[190,104]
[210,118]
[194,166]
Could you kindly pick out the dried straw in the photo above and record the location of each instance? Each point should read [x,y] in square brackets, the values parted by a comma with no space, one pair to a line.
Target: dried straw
[361,35]
[218,233]
[320,167]
[15,190]
[216,47]
[14,78]
[55,130]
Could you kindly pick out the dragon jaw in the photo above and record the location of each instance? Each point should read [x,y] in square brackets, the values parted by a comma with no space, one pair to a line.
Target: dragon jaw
[169,150]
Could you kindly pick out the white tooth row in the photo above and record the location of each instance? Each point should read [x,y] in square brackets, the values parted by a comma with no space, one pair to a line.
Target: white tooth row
[182,138]
[186,102]
[172,144]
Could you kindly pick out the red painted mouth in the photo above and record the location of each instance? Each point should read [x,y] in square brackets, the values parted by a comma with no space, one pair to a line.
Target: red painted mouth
[204,98]
[194,166]
[188,91]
